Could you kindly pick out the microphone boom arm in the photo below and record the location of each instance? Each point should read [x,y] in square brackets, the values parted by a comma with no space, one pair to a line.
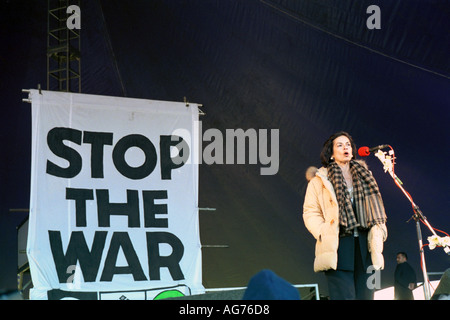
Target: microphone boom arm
[388,161]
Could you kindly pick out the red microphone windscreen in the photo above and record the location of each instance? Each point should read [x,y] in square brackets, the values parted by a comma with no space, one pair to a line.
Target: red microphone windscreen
[363,151]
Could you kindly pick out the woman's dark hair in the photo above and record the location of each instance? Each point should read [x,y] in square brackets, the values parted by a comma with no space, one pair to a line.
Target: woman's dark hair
[327,149]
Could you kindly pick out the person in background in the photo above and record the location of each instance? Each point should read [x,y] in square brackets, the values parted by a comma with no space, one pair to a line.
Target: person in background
[404,278]
[344,212]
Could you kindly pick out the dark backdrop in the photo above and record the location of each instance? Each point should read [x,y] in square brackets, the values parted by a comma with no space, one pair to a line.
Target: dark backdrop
[307,68]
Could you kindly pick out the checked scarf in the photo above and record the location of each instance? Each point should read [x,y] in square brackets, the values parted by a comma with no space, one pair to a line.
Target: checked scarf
[366,197]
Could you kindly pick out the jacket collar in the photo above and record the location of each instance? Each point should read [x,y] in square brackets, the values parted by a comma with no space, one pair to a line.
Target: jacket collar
[322,173]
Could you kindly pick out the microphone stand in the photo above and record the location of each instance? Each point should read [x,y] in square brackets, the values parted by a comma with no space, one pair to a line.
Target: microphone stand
[388,166]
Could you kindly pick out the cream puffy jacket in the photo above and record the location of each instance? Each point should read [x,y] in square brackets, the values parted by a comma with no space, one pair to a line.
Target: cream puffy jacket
[321,217]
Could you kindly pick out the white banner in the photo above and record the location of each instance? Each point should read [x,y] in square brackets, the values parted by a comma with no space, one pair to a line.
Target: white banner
[114,198]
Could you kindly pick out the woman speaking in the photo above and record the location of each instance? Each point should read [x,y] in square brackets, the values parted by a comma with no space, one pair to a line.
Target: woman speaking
[344,211]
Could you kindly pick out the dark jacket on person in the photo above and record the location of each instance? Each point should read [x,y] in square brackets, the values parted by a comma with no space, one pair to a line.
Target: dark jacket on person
[403,276]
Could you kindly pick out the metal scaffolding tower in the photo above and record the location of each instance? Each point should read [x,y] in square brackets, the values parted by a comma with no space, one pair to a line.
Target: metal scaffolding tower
[63,47]
[63,74]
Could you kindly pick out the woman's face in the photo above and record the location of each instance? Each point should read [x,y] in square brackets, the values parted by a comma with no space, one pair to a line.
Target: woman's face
[342,150]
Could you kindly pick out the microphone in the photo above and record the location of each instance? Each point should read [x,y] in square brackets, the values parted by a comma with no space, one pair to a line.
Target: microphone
[365,151]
